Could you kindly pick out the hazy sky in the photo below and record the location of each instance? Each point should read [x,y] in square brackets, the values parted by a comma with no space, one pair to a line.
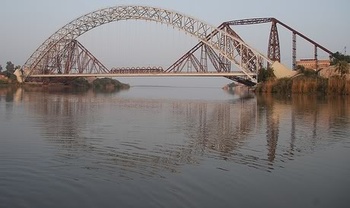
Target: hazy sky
[25,24]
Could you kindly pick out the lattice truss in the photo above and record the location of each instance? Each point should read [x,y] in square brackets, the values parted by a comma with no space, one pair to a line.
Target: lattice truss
[274,52]
[70,56]
[190,61]
[229,48]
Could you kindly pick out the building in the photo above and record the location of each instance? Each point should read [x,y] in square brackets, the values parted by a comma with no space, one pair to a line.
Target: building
[311,63]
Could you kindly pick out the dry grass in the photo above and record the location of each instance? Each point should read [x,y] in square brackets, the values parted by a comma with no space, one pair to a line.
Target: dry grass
[306,85]
[338,85]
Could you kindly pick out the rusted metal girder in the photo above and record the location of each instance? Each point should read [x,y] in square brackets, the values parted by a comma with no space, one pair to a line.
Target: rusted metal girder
[274,51]
[294,50]
[274,45]
[219,62]
[175,67]
[70,57]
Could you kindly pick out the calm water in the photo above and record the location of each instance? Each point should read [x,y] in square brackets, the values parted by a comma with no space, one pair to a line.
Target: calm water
[172,147]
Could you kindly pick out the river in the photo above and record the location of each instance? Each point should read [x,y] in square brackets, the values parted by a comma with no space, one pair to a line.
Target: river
[161,146]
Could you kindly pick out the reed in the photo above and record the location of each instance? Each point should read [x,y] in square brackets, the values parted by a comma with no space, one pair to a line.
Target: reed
[308,85]
[265,87]
[347,87]
[338,85]
[335,85]
[282,86]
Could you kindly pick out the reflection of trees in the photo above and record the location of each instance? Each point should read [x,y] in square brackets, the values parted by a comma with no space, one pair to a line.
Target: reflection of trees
[306,121]
[323,116]
[8,93]
[272,130]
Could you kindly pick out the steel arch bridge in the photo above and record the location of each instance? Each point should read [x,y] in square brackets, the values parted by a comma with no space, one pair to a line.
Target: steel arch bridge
[60,51]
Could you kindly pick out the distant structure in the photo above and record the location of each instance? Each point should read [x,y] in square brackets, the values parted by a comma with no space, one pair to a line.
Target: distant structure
[313,63]
[345,50]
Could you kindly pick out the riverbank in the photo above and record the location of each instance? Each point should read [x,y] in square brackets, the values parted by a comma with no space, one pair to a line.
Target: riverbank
[334,85]
[79,84]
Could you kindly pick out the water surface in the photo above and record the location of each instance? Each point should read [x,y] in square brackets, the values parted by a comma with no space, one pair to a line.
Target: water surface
[172,147]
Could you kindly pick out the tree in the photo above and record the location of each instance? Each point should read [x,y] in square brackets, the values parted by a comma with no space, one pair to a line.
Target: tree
[342,67]
[0,68]
[337,57]
[265,74]
[306,72]
[300,68]
[10,67]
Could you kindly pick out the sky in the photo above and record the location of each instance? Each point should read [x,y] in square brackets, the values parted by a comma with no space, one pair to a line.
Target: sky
[25,24]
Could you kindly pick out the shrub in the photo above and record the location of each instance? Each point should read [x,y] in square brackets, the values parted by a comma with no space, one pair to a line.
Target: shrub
[282,86]
[108,84]
[265,74]
[80,83]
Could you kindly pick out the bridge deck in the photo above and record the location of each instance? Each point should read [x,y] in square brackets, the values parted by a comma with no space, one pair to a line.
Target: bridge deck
[180,74]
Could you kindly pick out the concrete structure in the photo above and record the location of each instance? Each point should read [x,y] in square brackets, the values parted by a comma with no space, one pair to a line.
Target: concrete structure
[282,71]
[19,76]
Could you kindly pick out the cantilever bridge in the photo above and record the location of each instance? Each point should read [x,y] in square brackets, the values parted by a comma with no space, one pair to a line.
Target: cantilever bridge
[220,50]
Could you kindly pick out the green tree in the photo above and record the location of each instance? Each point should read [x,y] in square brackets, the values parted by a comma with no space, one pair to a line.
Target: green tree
[10,67]
[342,68]
[337,57]
[0,68]
[265,74]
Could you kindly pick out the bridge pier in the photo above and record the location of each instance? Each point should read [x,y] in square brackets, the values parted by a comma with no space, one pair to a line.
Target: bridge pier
[19,75]
[281,71]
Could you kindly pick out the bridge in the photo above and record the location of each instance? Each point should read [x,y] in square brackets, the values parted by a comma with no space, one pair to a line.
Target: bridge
[220,51]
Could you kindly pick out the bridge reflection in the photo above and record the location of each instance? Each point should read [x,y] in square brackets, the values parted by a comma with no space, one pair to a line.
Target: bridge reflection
[145,136]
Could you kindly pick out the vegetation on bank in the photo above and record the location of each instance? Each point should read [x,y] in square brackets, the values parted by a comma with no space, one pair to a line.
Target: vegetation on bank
[309,81]
[102,84]
[7,77]
[306,85]
[108,84]
[79,85]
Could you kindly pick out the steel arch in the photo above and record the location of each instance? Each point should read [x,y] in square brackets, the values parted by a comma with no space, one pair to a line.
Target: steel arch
[218,39]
